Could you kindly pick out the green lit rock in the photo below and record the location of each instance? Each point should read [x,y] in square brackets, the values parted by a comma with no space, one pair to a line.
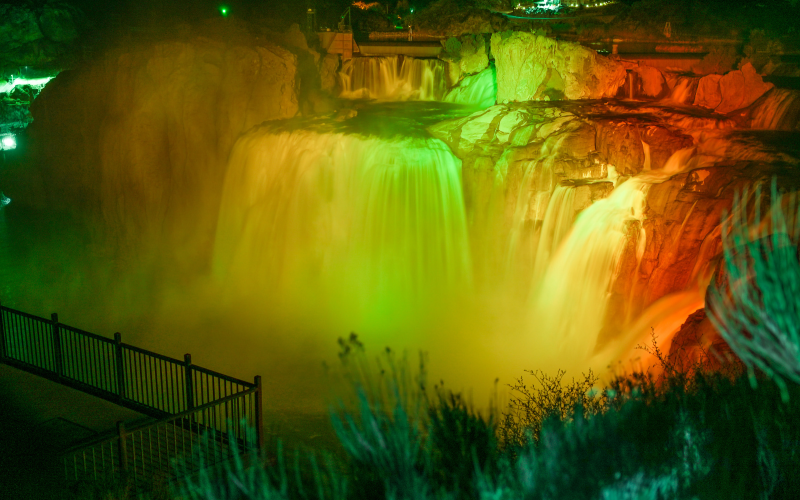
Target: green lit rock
[536,68]
[57,23]
[18,26]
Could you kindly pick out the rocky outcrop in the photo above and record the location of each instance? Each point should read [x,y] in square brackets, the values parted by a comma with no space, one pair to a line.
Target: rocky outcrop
[735,90]
[651,81]
[535,68]
[466,55]
[58,22]
[141,138]
[698,343]
[31,35]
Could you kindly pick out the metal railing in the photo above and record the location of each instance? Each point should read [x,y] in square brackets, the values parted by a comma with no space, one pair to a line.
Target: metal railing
[403,36]
[169,449]
[196,400]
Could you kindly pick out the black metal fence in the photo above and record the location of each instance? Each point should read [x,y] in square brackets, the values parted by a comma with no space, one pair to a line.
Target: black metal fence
[169,449]
[189,401]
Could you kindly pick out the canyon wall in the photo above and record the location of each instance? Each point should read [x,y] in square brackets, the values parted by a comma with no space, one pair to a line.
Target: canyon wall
[140,138]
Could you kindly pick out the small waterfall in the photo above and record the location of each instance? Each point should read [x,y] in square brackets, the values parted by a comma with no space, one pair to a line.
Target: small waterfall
[569,302]
[684,90]
[361,229]
[476,90]
[394,78]
[778,109]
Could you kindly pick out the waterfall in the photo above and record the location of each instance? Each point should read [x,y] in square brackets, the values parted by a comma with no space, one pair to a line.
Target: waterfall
[684,90]
[395,78]
[361,228]
[556,225]
[476,90]
[569,302]
[778,109]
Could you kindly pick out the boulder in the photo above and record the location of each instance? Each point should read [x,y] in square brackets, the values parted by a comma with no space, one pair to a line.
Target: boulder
[737,89]
[534,68]
[57,23]
[474,54]
[708,94]
[653,83]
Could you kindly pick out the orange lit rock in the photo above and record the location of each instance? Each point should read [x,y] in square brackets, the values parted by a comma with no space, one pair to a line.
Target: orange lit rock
[708,92]
[652,81]
[737,89]
[698,342]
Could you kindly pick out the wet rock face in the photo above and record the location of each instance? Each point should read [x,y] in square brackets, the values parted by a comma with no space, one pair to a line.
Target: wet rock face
[536,68]
[512,154]
[698,342]
[141,138]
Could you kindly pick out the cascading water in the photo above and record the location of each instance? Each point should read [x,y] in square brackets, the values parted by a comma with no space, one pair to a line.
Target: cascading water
[476,90]
[396,78]
[684,91]
[569,302]
[779,109]
[363,229]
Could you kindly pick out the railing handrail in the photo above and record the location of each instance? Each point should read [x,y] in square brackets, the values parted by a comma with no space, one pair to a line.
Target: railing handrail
[130,347]
[62,325]
[113,435]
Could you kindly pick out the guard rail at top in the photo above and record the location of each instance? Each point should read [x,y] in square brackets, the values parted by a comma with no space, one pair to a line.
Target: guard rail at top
[147,382]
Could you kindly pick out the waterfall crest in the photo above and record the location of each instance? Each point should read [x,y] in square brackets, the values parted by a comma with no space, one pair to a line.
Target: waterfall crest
[395,78]
[355,224]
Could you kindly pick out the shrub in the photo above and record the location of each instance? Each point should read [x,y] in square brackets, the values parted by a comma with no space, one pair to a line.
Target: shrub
[756,305]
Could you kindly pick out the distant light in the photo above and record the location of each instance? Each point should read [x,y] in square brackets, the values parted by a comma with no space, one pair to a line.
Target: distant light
[412,10]
[224,11]
[8,142]
[4,200]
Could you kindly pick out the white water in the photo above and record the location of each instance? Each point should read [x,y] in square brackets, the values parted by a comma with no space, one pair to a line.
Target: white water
[394,78]
[359,230]
[476,90]
[569,303]
[779,109]
[684,91]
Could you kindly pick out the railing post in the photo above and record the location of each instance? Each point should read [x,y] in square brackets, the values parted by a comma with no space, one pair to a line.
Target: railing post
[57,354]
[187,360]
[120,365]
[259,417]
[2,335]
[123,448]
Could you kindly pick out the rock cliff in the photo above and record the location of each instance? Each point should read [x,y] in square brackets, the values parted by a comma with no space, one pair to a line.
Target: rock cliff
[140,139]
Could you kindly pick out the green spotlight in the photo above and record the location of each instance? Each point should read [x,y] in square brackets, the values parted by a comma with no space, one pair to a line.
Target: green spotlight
[223,10]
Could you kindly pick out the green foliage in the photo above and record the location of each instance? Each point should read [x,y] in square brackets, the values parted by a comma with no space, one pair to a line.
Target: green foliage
[461,443]
[756,307]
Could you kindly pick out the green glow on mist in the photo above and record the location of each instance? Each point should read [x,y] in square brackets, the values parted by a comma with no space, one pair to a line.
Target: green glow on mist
[224,11]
